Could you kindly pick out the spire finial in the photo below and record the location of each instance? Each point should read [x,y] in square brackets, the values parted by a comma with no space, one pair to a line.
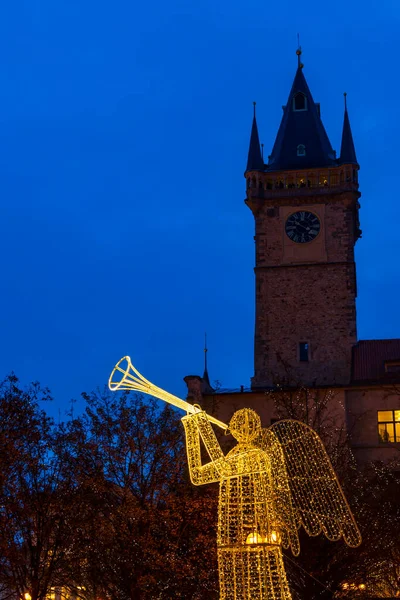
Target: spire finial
[345,100]
[299,52]
[254,108]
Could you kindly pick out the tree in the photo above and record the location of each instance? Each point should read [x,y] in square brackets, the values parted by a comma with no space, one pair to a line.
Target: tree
[37,503]
[149,533]
[101,506]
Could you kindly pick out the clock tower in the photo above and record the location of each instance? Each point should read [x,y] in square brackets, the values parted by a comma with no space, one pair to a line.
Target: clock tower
[305,206]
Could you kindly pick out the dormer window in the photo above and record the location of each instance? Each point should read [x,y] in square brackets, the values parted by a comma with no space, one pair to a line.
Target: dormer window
[299,102]
[301,150]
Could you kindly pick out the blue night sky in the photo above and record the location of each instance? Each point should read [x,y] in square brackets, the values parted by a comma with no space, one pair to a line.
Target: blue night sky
[124,137]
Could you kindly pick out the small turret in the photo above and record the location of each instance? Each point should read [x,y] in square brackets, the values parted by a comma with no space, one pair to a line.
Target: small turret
[347,150]
[255,160]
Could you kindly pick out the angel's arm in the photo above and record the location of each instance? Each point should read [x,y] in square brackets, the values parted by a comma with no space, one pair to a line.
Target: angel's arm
[198,427]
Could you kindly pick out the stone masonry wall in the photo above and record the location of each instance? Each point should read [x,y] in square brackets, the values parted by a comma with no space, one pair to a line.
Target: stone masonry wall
[305,292]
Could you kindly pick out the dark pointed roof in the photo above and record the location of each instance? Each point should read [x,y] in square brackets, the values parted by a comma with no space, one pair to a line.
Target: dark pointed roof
[301,127]
[347,150]
[255,160]
[206,387]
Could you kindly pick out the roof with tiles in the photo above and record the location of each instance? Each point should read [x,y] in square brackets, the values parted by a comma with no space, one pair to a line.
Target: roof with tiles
[376,361]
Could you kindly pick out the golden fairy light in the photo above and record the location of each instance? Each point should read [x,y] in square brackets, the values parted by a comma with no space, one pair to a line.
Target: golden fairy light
[272,482]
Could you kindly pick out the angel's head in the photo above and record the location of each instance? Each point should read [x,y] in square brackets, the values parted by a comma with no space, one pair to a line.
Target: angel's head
[245,425]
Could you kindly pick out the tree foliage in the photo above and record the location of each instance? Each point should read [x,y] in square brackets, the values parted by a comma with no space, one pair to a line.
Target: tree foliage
[101,506]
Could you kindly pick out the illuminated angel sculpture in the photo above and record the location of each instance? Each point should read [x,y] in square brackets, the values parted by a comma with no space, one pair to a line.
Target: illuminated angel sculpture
[272,482]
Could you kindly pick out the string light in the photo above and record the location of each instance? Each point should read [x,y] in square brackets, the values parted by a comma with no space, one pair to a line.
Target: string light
[272,482]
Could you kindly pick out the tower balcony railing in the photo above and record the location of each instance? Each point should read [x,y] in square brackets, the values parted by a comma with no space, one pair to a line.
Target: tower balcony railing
[263,186]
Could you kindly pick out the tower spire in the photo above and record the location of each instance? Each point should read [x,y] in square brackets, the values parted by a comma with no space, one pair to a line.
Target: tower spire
[206,387]
[205,356]
[254,160]
[301,141]
[347,150]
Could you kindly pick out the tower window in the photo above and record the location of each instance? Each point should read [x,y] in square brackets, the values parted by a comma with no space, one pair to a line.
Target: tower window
[299,102]
[303,351]
[301,150]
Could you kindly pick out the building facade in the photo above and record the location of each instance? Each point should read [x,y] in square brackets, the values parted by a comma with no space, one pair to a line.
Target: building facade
[305,203]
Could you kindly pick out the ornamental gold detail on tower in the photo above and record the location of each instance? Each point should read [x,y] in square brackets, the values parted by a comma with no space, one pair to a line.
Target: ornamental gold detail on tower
[272,482]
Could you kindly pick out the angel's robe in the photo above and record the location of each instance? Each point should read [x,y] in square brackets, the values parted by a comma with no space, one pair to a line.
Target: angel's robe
[250,528]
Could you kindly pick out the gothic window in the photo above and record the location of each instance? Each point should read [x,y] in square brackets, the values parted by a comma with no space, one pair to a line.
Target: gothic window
[303,351]
[299,102]
[301,150]
[389,425]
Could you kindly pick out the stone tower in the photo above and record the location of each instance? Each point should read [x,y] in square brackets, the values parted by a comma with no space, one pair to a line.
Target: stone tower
[305,206]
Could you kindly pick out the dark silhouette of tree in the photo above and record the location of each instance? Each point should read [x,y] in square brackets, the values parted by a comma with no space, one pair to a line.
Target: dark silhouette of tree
[101,506]
[37,504]
[149,534]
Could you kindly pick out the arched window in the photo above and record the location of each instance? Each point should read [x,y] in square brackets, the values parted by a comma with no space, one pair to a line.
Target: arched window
[299,102]
[301,150]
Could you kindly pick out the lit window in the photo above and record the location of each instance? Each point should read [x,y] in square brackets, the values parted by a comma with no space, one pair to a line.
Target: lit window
[299,102]
[301,150]
[303,351]
[389,425]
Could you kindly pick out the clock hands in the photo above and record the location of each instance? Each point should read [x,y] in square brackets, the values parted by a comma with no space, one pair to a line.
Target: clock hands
[302,226]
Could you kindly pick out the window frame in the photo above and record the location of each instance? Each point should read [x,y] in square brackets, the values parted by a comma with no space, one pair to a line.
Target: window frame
[393,422]
[294,103]
[304,350]
[303,148]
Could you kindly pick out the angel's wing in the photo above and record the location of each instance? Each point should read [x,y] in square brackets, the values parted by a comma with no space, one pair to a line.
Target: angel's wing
[317,497]
[284,512]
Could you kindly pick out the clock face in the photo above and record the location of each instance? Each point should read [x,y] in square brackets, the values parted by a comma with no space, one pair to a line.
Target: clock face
[302,226]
